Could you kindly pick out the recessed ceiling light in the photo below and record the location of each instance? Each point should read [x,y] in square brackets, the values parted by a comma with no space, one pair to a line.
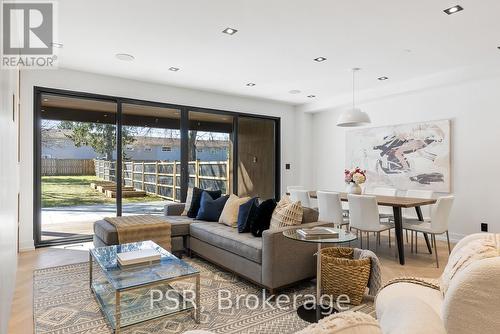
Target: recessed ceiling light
[294,91]
[383,78]
[174,69]
[453,10]
[250,84]
[124,56]
[320,59]
[230,31]
[57,45]
[311,96]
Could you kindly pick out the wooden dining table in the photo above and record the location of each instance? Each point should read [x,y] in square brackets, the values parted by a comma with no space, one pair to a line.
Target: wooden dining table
[398,203]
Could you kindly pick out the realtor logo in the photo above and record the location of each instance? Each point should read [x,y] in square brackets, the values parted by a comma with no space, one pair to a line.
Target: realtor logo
[27,34]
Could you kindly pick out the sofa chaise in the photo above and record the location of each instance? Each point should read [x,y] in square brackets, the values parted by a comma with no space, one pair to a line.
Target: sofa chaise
[272,261]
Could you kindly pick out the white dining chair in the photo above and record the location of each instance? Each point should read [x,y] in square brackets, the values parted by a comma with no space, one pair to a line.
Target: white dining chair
[411,213]
[385,212]
[289,188]
[364,217]
[330,208]
[302,196]
[438,224]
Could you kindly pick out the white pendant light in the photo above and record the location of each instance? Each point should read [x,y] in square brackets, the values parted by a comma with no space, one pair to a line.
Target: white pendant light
[354,116]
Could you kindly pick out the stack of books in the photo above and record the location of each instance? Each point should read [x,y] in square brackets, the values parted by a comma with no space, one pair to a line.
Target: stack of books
[318,233]
[138,257]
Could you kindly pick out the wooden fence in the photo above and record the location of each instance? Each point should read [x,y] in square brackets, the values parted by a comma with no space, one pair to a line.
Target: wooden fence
[162,178]
[67,167]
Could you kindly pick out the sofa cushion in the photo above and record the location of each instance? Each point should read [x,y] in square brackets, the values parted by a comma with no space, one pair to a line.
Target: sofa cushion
[211,209]
[229,215]
[196,199]
[286,213]
[410,316]
[409,291]
[189,199]
[228,238]
[246,213]
[460,259]
[107,232]
[262,218]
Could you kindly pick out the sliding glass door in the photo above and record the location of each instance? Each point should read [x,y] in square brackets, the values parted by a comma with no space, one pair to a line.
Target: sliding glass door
[163,149]
[210,147]
[151,152]
[77,160]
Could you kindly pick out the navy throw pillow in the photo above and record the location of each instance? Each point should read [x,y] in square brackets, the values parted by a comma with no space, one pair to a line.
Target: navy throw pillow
[245,215]
[195,202]
[210,209]
[262,218]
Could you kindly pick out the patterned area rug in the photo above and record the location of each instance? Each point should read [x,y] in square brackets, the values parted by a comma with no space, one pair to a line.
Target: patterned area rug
[63,303]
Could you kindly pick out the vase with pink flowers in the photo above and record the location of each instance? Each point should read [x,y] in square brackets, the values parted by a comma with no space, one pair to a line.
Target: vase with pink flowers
[353,178]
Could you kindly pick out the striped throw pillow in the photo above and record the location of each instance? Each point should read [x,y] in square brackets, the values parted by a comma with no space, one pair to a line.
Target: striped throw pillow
[286,213]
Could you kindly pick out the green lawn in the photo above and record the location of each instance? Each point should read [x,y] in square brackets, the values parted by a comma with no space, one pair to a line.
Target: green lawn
[75,190]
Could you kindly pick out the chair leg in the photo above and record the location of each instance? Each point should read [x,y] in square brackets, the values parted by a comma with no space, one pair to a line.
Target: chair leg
[406,235]
[435,250]
[367,240]
[416,242]
[360,238]
[448,239]
[411,245]
[378,237]
[377,243]
[389,238]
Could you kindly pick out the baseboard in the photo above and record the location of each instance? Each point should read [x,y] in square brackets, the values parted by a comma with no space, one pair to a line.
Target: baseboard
[26,246]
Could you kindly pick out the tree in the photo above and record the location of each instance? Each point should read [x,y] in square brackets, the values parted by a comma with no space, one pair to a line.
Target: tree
[101,137]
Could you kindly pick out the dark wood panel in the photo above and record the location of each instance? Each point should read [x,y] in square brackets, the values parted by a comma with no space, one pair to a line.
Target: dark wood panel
[256,158]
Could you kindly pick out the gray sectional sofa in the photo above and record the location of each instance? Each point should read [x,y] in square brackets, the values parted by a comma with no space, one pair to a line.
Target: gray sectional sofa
[272,261]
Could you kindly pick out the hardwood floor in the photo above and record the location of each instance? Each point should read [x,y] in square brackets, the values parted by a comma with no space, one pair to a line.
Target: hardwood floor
[21,321]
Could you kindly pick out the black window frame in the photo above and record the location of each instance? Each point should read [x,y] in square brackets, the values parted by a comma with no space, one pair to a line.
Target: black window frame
[38,91]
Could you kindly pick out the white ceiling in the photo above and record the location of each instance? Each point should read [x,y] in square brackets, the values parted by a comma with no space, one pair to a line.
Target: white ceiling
[277,41]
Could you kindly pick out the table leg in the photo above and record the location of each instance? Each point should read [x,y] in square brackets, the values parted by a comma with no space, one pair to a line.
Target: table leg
[398,228]
[90,270]
[117,312]
[426,237]
[198,306]
[318,283]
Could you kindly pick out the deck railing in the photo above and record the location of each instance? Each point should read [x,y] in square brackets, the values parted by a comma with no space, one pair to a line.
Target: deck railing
[162,178]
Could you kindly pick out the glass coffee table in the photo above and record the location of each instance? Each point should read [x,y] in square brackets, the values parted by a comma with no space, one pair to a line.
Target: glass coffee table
[312,312]
[134,294]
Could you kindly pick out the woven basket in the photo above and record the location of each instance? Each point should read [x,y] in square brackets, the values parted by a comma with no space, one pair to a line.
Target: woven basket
[342,275]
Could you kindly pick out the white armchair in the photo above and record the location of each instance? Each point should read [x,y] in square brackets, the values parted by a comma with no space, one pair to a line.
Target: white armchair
[469,305]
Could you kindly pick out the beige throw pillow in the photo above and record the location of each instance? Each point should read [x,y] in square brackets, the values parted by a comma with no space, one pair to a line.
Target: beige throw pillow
[286,213]
[189,199]
[459,260]
[229,215]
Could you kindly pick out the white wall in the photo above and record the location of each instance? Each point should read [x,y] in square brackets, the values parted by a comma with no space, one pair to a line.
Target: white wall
[474,110]
[8,194]
[94,83]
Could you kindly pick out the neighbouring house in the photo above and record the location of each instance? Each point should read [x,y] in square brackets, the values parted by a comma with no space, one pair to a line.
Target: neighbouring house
[57,145]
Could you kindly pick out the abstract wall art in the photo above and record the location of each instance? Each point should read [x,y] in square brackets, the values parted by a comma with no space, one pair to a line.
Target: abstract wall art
[406,156]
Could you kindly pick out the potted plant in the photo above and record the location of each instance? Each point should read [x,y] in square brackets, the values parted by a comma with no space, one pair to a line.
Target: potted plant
[353,178]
